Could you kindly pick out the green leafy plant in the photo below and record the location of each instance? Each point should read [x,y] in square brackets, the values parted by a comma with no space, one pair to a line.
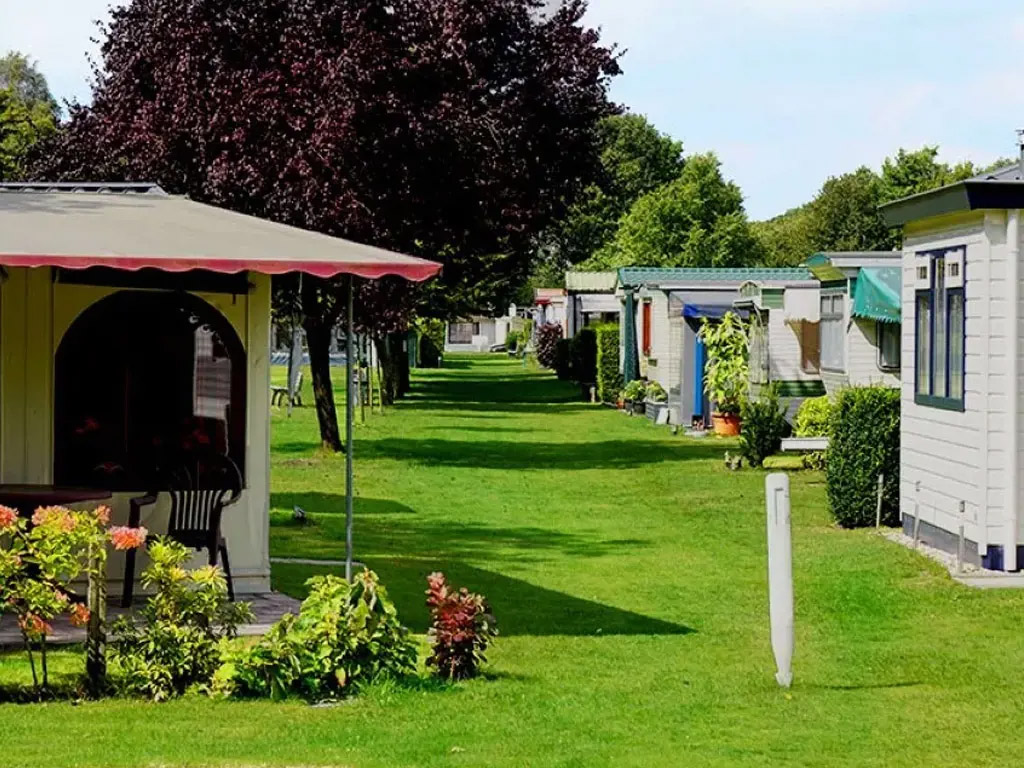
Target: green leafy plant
[764,426]
[462,626]
[609,379]
[865,442]
[345,635]
[635,391]
[726,374]
[431,333]
[814,417]
[178,644]
[563,360]
[656,393]
[512,340]
[583,351]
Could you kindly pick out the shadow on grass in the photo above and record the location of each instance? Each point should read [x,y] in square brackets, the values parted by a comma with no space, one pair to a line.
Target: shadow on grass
[522,609]
[320,503]
[503,454]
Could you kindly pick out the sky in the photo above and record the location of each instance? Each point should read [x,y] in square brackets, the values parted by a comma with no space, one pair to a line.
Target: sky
[786,92]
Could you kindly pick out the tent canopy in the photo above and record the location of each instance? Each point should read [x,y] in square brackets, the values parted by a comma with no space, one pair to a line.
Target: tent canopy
[876,295]
[133,230]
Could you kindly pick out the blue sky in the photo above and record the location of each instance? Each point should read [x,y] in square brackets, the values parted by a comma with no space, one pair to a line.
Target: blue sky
[787,92]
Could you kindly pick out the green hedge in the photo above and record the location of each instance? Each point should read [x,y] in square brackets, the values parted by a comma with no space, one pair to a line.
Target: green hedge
[583,351]
[865,442]
[563,360]
[609,380]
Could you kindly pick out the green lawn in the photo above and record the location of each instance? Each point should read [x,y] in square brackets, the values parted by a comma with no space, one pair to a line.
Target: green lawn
[627,569]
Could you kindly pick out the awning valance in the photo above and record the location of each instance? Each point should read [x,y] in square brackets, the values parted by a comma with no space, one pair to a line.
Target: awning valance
[599,302]
[75,230]
[713,311]
[876,295]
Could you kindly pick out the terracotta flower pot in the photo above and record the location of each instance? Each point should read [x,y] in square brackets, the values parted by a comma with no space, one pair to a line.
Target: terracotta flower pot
[726,424]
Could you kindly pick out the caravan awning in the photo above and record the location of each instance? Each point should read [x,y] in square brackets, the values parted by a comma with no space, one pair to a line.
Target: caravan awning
[876,295]
[132,231]
[599,302]
[713,311]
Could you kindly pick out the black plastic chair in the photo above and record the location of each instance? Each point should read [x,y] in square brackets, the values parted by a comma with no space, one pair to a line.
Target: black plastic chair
[200,488]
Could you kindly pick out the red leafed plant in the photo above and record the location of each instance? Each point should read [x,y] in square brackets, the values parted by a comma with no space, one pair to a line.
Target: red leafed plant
[462,628]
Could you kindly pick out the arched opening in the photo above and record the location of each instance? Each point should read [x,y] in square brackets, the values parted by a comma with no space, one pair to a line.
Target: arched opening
[143,376]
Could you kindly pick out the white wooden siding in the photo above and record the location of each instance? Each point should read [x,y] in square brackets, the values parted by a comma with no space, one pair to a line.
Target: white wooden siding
[785,351]
[862,355]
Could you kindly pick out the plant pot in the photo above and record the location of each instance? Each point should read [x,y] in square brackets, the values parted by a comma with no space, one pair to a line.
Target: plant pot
[654,410]
[726,424]
[639,407]
[620,404]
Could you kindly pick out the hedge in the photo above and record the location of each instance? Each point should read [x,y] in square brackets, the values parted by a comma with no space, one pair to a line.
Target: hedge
[563,360]
[609,380]
[583,351]
[865,442]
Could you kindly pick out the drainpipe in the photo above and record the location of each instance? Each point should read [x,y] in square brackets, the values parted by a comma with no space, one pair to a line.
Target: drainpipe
[1013,385]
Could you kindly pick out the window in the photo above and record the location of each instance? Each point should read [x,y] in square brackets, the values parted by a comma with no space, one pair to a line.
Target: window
[888,342]
[172,381]
[647,328]
[462,333]
[833,332]
[939,333]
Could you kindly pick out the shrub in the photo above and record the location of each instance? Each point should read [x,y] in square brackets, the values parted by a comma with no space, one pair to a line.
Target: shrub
[656,393]
[563,360]
[548,336]
[763,427]
[431,342]
[727,376]
[178,644]
[635,391]
[814,418]
[609,379]
[864,443]
[583,351]
[512,340]
[345,635]
[462,626]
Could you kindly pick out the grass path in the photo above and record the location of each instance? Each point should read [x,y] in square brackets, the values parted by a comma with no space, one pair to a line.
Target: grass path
[627,569]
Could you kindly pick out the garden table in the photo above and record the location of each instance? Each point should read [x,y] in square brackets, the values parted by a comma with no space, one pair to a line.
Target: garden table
[26,498]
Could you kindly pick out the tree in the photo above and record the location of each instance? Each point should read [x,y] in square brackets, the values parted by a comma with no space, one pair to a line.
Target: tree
[845,215]
[451,129]
[635,158]
[786,240]
[27,112]
[696,220]
[912,172]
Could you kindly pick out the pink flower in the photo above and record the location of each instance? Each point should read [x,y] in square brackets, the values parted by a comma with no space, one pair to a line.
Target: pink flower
[79,615]
[8,518]
[102,514]
[33,625]
[59,596]
[124,537]
[60,518]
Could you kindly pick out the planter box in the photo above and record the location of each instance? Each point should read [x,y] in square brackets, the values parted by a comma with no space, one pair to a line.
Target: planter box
[656,412]
[805,444]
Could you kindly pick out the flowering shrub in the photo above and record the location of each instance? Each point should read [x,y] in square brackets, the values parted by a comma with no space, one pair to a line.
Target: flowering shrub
[39,559]
[548,336]
[345,634]
[462,627]
[178,644]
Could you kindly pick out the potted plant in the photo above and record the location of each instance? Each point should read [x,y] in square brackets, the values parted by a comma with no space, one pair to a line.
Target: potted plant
[726,375]
[634,395]
[657,400]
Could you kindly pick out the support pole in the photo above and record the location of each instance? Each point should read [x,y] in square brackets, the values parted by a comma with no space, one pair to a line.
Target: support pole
[878,501]
[780,575]
[349,413]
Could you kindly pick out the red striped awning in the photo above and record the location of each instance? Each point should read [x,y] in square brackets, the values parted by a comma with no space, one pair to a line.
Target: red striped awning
[78,230]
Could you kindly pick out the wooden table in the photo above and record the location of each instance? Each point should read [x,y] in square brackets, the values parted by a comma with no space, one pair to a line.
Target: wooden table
[26,498]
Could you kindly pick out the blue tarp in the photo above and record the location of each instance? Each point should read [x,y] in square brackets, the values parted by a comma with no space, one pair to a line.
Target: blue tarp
[712,311]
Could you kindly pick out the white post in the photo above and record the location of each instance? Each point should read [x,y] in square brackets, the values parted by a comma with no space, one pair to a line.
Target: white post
[349,412]
[780,575]
[917,513]
[878,502]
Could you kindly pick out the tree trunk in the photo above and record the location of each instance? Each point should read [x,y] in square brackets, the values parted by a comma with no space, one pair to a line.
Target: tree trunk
[406,346]
[318,339]
[389,353]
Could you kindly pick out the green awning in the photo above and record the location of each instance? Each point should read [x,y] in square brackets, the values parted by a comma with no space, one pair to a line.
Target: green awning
[876,294]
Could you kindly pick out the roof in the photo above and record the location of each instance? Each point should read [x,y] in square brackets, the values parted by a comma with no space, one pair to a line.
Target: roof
[876,295]
[135,226]
[829,266]
[681,276]
[1002,188]
[590,282]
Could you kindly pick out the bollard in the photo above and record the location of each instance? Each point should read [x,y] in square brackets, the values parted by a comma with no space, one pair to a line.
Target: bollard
[878,502]
[780,575]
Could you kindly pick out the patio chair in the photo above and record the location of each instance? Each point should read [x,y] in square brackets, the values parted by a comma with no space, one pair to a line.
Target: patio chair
[200,487]
[279,395]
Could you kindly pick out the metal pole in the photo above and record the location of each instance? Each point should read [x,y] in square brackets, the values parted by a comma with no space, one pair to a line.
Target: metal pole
[960,541]
[349,413]
[878,503]
[917,513]
[780,575]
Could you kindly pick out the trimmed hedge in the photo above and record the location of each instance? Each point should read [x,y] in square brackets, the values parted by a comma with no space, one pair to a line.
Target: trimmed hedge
[583,352]
[609,380]
[865,442]
[563,360]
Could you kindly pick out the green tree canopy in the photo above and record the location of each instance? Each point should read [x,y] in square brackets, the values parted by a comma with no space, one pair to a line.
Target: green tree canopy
[28,112]
[696,220]
[786,240]
[911,172]
[845,215]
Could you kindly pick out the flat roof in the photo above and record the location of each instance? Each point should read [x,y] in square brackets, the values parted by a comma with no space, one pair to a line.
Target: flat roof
[1002,188]
[138,226]
[681,277]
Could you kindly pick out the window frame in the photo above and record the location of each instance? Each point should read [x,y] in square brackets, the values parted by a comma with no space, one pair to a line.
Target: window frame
[832,316]
[929,399]
[880,344]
